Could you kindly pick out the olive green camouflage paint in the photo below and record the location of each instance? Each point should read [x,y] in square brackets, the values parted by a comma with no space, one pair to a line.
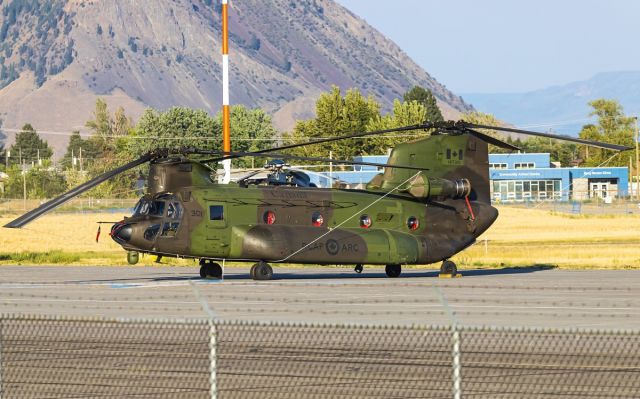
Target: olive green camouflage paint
[446,225]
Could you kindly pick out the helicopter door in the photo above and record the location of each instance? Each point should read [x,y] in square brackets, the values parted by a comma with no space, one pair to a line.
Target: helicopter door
[216,229]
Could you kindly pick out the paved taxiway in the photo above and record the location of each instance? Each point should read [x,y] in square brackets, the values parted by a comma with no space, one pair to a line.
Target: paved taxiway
[540,297]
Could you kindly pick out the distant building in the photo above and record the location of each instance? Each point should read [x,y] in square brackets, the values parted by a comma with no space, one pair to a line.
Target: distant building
[522,177]
[525,177]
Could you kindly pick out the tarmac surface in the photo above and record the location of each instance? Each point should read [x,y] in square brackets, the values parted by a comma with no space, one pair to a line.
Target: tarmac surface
[531,297]
[156,342]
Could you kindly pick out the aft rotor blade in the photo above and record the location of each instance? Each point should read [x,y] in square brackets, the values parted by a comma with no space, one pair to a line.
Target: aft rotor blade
[608,146]
[229,155]
[56,202]
[426,125]
[492,140]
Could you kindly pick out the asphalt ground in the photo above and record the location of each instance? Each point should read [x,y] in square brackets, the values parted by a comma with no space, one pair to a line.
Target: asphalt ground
[336,356]
[530,297]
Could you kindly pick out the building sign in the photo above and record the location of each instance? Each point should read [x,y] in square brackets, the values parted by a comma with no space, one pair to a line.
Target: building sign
[504,175]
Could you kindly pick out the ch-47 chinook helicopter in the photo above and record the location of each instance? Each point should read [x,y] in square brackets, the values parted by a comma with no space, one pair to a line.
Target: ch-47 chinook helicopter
[431,202]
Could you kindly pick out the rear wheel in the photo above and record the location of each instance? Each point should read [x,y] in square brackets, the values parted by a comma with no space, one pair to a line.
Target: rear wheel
[261,271]
[210,269]
[448,267]
[393,270]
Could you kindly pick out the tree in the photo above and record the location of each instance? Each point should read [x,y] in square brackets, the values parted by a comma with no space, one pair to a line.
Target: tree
[613,126]
[101,126]
[403,114]
[175,128]
[426,98]
[337,116]
[3,153]
[251,130]
[41,183]
[78,147]
[29,147]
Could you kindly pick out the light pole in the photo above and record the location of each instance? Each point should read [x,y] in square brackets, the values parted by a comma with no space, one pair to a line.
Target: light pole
[226,129]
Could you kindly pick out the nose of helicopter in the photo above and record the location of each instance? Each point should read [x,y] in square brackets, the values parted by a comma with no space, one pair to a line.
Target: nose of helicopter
[121,232]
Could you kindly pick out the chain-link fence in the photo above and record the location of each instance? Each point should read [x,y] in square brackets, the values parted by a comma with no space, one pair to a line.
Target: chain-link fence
[54,357]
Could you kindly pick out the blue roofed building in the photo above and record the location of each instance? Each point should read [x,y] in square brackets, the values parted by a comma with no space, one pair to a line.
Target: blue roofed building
[522,177]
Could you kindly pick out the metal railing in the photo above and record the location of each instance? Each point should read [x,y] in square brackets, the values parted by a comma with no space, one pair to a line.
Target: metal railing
[55,357]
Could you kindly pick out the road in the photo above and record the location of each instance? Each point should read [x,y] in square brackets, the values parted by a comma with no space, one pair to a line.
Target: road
[533,297]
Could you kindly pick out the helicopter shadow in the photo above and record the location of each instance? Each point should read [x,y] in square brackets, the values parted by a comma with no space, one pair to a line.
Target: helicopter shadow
[379,274]
[302,274]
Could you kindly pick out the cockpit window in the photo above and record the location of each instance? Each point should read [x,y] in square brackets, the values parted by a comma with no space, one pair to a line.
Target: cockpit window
[174,210]
[157,208]
[151,232]
[170,229]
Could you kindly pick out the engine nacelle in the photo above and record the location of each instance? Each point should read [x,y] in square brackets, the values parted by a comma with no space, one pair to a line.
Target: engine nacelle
[425,187]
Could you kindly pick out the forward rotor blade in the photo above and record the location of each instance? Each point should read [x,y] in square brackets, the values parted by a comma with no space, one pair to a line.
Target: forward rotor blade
[492,140]
[608,146]
[230,155]
[427,125]
[56,202]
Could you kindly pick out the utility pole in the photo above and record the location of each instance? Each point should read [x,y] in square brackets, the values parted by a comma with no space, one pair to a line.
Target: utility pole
[24,186]
[331,167]
[81,168]
[226,130]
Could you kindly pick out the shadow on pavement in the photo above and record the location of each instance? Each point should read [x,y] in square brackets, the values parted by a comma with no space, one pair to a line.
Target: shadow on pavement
[316,274]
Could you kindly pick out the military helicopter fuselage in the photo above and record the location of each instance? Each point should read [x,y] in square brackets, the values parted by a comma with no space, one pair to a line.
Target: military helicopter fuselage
[300,225]
[402,217]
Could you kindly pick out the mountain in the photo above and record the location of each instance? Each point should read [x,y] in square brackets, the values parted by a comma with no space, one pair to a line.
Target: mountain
[58,56]
[563,108]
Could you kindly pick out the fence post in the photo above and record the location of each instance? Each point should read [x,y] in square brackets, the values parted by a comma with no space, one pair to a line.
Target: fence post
[455,340]
[1,357]
[213,353]
[456,364]
[213,380]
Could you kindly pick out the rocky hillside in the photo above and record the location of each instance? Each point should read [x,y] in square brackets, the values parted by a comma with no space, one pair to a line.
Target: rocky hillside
[58,56]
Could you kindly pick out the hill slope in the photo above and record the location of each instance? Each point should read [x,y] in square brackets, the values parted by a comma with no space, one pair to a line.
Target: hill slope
[564,108]
[58,56]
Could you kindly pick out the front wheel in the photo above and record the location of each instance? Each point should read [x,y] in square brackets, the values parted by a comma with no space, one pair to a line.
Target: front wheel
[448,267]
[393,270]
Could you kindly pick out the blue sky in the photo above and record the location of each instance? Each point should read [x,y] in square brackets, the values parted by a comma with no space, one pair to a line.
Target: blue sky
[493,46]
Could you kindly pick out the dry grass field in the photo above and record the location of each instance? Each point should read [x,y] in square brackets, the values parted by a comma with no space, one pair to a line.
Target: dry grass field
[520,237]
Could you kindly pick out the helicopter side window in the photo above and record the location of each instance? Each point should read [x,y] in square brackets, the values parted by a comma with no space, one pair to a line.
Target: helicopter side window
[216,212]
[151,232]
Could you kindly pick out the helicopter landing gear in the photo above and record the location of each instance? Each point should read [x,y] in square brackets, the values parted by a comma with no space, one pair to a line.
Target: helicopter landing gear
[261,271]
[210,269]
[132,257]
[449,268]
[393,270]
[358,269]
